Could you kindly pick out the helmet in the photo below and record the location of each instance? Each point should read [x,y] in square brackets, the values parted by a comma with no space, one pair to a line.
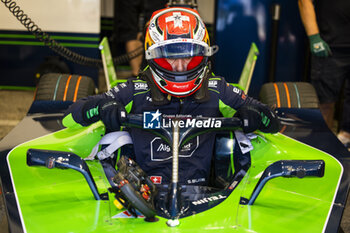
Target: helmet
[178,33]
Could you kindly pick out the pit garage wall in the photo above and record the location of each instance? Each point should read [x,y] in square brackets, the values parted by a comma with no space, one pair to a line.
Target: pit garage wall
[75,24]
[241,22]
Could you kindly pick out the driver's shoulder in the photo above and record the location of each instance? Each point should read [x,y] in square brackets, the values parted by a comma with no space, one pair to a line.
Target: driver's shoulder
[216,84]
[139,85]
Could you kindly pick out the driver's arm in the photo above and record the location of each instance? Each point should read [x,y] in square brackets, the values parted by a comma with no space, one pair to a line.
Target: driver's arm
[106,107]
[254,114]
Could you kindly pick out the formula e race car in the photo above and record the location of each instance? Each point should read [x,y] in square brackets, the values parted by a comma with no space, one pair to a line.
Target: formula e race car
[79,179]
[292,182]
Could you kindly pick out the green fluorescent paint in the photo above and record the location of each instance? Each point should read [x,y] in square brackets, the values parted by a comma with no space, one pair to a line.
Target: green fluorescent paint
[121,81]
[248,69]
[142,92]
[226,110]
[96,39]
[214,90]
[138,81]
[79,45]
[47,196]
[107,27]
[108,64]
[264,119]
[231,153]
[146,68]
[92,112]
[16,36]
[107,21]
[69,122]
[21,88]
[129,106]
[4,42]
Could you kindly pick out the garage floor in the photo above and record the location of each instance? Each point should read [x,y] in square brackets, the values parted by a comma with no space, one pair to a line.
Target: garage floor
[14,105]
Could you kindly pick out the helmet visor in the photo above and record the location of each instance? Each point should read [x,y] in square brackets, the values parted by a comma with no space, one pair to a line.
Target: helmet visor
[180,48]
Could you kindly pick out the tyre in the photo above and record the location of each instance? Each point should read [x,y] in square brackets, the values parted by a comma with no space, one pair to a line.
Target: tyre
[64,87]
[52,64]
[289,95]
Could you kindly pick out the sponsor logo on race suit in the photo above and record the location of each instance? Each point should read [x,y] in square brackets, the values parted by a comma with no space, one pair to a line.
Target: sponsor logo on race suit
[160,151]
[236,90]
[195,181]
[239,92]
[140,86]
[213,83]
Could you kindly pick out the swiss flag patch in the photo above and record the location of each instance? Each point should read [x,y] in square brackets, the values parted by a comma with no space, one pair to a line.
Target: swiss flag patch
[156,179]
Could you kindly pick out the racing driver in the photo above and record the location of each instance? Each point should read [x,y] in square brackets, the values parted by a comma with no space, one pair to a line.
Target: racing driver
[177,80]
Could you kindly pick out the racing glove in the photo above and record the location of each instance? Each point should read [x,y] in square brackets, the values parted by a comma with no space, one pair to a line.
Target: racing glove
[318,46]
[82,113]
[112,114]
[260,117]
[88,111]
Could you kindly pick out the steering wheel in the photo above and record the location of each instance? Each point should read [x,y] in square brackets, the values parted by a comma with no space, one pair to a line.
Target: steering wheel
[135,191]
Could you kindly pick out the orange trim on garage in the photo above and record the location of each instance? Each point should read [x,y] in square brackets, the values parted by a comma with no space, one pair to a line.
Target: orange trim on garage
[66,89]
[277,95]
[287,93]
[76,89]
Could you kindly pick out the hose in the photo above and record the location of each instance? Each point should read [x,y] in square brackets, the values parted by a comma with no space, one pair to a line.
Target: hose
[129,56]
[55,46]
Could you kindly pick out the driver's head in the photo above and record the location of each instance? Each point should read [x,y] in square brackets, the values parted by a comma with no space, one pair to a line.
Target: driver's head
[177,50]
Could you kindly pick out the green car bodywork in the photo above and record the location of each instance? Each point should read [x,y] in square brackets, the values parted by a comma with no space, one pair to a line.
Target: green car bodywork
[61,201]
[56,200]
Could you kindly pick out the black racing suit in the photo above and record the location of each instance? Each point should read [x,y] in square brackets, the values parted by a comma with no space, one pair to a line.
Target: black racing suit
[151,153]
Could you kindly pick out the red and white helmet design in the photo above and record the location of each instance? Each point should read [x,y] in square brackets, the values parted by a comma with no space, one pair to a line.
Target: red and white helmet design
[175,22]
[178,33]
